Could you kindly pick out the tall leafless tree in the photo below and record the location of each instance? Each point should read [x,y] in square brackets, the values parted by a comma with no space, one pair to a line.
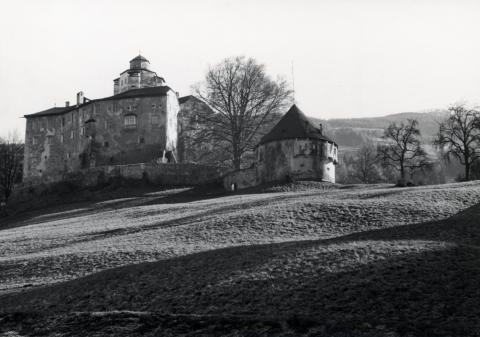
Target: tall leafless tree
[404,151]
[365,164]
[459,136]
[11,158]
[242,97]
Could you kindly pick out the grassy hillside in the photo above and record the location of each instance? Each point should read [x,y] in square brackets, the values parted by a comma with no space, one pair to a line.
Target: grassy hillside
[302,260]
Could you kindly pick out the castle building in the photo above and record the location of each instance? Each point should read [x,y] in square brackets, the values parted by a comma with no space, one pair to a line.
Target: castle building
[137,124]
[137,76]
[295,149]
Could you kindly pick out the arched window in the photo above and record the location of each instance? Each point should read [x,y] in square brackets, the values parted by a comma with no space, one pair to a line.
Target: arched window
[130,122]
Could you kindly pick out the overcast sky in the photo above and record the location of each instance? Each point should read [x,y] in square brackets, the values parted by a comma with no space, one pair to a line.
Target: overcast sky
[351,58]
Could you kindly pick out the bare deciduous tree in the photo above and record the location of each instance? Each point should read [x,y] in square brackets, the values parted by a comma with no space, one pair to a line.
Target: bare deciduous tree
[459,136]
[365,164]
[404,151]
[11,158]
[242,97]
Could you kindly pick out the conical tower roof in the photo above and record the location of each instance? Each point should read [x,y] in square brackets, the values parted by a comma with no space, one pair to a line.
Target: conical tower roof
[294,124]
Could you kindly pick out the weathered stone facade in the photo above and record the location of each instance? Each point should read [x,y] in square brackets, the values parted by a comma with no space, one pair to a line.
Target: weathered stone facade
[189,148]
[133,126]
[294,149]
[299,159]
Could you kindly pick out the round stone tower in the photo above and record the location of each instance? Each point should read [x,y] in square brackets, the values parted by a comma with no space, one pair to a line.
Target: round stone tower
[296,149]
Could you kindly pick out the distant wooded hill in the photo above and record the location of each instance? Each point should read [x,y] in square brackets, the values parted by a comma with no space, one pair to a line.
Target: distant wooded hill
[353,132]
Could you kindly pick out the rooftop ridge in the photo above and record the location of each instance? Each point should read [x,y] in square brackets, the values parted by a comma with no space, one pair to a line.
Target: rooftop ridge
[132,93]
[294,124]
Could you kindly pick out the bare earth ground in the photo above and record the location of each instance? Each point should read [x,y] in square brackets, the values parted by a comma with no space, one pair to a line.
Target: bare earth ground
[301,260]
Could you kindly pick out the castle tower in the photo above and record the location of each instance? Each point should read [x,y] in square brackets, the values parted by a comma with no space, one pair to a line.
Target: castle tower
[137,76]
[295,148]
[139,62]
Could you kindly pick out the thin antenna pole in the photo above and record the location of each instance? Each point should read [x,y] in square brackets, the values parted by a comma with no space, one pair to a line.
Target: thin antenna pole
[293,84]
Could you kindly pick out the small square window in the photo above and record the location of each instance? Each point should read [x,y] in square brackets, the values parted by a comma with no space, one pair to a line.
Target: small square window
[130,122]
[105,144]
[141,140]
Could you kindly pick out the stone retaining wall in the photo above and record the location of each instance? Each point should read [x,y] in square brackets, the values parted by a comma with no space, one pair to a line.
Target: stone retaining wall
[161,174]
[240,179]
[168,174]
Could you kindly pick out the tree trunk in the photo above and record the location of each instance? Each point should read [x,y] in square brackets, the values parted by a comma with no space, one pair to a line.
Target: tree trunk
[236,162]
[237,155]
[467,171]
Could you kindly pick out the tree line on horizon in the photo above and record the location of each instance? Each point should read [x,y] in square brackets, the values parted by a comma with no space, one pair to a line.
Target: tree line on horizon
[402,156]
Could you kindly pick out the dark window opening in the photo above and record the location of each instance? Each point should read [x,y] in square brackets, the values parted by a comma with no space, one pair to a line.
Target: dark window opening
[105,144]
[141,140]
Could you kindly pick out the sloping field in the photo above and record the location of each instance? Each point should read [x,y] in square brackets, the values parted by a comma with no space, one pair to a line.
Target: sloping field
[299,260]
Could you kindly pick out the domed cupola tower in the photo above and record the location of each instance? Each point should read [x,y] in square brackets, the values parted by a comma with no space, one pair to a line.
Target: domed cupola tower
[139,62]
[137,76]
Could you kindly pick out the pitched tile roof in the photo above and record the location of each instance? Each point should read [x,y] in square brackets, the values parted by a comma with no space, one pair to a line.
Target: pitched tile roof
[142,92]
[294,124]
[184,99]
[51,111]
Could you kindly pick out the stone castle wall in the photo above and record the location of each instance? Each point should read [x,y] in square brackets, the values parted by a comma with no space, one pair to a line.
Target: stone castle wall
[240,179]
[94,134]
[296,159]
[167,174]
[289,159]
[163,174]
[189,149]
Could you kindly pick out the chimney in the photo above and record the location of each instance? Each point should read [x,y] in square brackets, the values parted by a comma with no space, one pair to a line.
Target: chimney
[67,104]
[80,98]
